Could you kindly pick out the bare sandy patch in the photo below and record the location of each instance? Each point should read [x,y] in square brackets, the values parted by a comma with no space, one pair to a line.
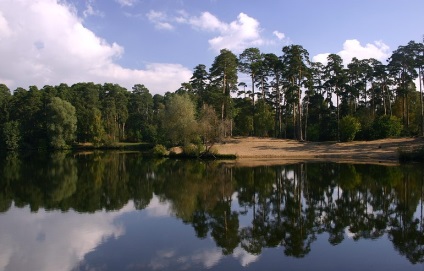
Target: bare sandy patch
[272,151]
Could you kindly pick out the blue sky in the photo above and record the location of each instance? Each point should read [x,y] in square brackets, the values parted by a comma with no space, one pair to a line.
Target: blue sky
[158,42]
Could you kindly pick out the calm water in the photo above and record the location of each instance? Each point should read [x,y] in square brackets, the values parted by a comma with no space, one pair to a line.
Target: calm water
[115,211]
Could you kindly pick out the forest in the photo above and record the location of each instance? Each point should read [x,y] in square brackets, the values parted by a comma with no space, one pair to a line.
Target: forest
[285,96]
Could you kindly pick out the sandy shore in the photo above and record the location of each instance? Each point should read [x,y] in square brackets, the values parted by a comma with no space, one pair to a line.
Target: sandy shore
[252,150]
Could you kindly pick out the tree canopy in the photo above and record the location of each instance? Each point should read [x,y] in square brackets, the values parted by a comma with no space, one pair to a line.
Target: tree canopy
[286,96]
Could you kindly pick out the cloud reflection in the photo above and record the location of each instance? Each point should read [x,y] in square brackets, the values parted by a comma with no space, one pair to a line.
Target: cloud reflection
[52,240]
[208,258]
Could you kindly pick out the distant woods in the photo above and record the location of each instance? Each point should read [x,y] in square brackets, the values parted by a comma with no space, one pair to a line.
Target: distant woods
[285,96]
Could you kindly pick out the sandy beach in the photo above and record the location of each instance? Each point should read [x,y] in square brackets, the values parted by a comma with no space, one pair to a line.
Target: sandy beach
[252,150]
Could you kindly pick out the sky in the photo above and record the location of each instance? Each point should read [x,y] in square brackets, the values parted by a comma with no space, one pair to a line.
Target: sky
[158,43]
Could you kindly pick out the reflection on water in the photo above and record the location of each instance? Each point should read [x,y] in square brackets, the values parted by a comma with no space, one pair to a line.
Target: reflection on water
[116,211]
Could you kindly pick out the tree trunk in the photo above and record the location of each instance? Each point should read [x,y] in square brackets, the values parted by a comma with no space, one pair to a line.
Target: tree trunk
[420,71]
[338,116]
[299,114]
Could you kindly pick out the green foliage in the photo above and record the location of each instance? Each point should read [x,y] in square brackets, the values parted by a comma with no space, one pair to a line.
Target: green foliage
[263,120]
[366,120]
[5,98]
[244,117]
[61,123]
[209,127]
[11,135]
[160,150]
[179,121]
[193,150]
[96,130]
[349,126]
[387,126]
[313,132]
[287,95]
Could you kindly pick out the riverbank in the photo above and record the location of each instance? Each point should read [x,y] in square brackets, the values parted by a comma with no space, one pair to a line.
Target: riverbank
[252,150]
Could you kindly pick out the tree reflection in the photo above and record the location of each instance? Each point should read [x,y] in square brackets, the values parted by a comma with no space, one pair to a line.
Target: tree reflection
[285,206]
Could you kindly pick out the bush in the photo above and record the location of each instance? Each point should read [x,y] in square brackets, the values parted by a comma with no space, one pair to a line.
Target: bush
[159,150]
[193,150]
[312,133]
[387,126]
[349,126]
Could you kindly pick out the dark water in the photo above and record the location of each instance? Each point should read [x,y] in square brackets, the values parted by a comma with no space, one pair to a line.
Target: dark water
[115,211]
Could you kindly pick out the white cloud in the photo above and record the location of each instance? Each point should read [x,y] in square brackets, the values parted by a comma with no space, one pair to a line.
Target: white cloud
[156,208]
[4,27]
[126,3]
[242,33]
[279,35]
[51,240]
[208,257]
[353,48]
[159,19]
[47,43]
[209,22]
[321,58]
[244,257]
[90,11]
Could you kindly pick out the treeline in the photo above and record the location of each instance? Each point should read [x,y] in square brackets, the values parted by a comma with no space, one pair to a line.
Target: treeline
[287,96]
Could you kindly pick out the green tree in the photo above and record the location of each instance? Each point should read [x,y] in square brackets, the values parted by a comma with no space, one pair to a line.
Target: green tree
[296,61]
[140,114]
[387,126]
[114,110]
[85,99]
[264,119]
[250,62]
[199,82]
[336,80]
[5,97]
[179,122]
[209,127]
[274,69]
[11,135]
[29,112]
[223,76]
[402,68]
[349,126]
[61,123]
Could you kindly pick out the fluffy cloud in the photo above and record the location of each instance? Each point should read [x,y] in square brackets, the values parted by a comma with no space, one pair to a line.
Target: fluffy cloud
[127,3]
[159,19]
[44,42]
[51,240]
[239,34]
[353,48]
[279,35]
[244,257]
[90,11]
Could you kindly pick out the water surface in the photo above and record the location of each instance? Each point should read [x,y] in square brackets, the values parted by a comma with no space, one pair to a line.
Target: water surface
[120,211]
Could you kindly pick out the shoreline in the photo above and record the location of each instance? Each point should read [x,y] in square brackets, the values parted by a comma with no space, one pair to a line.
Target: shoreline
[267,151]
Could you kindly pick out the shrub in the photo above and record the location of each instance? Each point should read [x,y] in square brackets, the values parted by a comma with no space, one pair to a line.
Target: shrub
[349,126]
[312,134]
[159,150]
[193,150]
[387,126]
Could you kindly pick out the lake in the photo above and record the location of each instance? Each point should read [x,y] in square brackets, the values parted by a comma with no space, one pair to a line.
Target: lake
[120,211]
